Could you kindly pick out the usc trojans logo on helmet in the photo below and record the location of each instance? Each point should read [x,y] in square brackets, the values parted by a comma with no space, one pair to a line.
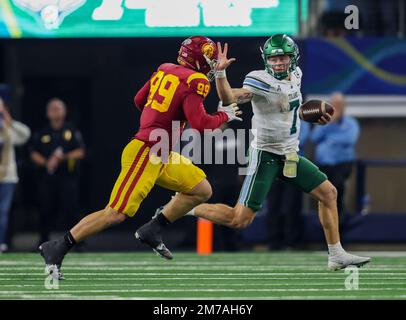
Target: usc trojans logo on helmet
[208,49]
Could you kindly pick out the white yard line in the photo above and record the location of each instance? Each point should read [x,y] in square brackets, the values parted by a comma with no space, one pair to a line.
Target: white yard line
[103,297]
[197,274]
[165,263]
[191,267]
[194,278]
[22,286]
[197,290]
[291,264]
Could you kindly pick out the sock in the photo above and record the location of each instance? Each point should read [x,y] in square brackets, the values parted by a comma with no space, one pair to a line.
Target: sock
[162,220]
[335,249]
[69,240]
[191,212]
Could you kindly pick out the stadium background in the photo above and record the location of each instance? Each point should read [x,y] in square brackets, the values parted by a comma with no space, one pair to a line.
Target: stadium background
[99,76]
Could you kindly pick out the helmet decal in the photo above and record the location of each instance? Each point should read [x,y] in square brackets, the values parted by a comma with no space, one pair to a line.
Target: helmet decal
[277,51]
[208,49]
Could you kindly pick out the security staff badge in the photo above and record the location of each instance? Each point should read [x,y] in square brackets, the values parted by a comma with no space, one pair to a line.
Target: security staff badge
[67,135]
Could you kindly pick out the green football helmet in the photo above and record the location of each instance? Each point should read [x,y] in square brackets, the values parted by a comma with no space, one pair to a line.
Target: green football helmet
[277,45]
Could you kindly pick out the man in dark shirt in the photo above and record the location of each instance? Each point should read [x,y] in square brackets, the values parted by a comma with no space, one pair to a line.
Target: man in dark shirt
[56,150]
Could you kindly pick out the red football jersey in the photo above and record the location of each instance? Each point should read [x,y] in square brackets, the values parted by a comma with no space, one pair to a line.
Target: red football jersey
[174,93]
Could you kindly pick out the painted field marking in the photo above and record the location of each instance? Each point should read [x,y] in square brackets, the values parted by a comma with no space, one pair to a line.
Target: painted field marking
[201,290]
[201,285]
[197,274]
[240,267]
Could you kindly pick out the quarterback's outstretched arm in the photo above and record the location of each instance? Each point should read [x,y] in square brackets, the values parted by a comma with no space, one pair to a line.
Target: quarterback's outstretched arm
[242,95]
[224,90]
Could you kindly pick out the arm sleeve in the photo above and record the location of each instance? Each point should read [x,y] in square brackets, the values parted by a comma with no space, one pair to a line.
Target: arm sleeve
[141,97]
[20,133]
[349,136]
[317,134]
[79,142]
[256,85]
[304,133]
[34,144]
[197,116]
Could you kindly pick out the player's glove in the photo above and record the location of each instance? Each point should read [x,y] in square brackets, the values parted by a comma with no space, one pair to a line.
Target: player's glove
[231,110]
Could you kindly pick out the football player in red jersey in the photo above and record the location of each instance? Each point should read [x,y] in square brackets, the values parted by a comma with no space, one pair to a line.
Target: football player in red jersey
[175,92]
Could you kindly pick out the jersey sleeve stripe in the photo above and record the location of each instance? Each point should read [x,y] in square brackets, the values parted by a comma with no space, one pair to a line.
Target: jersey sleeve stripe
[257,82]
[196,76]
[250,84]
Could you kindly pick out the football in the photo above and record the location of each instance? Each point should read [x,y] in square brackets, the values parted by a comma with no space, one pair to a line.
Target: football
[313,110]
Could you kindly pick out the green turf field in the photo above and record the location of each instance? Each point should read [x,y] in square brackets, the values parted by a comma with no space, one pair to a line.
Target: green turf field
[189,276]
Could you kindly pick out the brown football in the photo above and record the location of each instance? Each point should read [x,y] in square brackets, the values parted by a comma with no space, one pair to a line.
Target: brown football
[313,110]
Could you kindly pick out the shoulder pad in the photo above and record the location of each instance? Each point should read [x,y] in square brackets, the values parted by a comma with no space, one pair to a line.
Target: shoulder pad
[199,84]
[298,73]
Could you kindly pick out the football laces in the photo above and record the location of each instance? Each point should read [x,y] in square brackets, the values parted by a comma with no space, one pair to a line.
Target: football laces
[311,111]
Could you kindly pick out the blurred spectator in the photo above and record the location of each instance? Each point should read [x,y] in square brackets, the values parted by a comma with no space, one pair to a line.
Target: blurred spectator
[285,221]
[333,17]
[335,148]
[379,17]
[56,150]
[12,133]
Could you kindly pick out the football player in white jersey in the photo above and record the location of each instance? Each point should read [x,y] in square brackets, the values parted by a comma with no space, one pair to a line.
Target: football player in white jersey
[274,93]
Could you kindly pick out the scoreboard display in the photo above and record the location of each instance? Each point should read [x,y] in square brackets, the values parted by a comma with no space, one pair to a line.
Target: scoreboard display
[149,18]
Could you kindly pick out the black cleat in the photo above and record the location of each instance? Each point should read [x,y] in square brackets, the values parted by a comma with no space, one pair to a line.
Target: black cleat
[150,234]
[53,256]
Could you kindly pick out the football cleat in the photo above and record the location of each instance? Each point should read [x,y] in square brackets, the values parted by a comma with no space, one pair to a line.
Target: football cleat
[53,256]
[150,234]
[342,261]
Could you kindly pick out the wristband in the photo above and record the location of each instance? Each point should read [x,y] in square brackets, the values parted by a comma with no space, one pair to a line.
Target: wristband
[220,74]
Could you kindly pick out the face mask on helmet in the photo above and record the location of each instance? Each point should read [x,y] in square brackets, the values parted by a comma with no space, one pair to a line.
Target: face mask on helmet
[278,65]
[212,65]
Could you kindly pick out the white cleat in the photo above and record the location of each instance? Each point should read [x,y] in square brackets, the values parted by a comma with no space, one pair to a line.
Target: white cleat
[342,261]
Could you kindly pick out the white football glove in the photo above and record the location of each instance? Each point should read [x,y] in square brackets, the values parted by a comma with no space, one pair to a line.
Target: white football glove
[231,110]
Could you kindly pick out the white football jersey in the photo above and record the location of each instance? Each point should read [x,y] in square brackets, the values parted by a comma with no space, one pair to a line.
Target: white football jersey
[275,105]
